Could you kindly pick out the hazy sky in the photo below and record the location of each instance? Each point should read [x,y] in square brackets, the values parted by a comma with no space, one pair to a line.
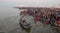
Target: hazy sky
[12,3]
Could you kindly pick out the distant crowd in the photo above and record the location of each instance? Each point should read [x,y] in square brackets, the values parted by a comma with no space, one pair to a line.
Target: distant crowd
[45,16]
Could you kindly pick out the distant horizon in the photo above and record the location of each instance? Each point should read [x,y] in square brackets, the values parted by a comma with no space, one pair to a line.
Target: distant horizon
[35,7]
[27,3]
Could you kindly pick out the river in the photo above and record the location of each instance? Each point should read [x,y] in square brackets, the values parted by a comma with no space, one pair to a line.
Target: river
[9,23]
[8,18]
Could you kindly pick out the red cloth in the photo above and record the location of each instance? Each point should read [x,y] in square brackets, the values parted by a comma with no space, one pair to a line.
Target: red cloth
[58,22]
[38,18]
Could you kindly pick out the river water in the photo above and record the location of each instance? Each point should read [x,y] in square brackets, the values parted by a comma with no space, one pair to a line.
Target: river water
[8,18]
[9,23]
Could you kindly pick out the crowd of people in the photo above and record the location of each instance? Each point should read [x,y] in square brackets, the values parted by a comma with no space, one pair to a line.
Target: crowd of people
[46,16]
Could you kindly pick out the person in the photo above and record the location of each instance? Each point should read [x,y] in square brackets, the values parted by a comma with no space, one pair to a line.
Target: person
[47,19]
[53,22]
[37,16]
[30,12]
[58,22]
[44,20]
